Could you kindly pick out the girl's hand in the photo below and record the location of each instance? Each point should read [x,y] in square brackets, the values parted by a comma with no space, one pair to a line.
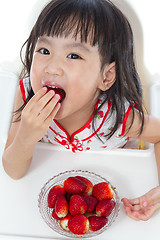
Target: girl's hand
[144,207]
[37,116]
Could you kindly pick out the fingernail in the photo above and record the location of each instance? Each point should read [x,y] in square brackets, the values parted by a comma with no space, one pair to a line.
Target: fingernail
[45,88]
[58,97]
[51,92]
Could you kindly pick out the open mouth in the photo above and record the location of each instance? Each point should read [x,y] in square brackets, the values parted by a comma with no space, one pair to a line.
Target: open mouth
[58,91]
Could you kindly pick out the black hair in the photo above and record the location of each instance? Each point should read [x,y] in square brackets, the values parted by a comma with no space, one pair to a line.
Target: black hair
[101,23]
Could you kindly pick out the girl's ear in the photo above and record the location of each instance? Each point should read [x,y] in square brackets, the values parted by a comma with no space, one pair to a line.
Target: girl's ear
[109,77]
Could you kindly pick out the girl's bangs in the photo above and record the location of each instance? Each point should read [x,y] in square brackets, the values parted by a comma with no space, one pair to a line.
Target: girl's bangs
[71,20]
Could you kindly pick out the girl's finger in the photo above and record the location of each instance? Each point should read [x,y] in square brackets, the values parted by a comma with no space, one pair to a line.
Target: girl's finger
[125,201]
[131,214]
[132,207]
[139,213]
[52,115]
[40,105]
[129,202]
[50,108]
[35,98]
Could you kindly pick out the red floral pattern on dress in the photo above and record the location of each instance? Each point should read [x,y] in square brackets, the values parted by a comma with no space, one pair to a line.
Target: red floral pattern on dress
[76,145]
[88,148]
[104,147]
[101,134]
[100,114]
[63,142]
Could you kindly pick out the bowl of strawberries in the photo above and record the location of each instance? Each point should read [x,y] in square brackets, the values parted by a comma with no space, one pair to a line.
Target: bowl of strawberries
[79,204]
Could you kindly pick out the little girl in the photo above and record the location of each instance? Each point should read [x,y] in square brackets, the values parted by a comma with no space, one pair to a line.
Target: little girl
[80,89]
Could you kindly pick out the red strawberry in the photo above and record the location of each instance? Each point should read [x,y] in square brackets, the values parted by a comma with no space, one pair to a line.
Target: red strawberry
[96,223]
[54,192]
[54,215]
[74,186]
[105,207]
[64,222]
[77,205]
[91,202]
[61,207]
[68,196]
[88,184]
[102,191]
[78,224]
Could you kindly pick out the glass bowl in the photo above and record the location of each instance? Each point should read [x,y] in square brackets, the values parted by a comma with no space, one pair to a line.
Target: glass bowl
[46,212]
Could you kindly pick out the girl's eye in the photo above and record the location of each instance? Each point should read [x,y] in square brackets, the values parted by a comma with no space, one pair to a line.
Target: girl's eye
[44,51]
[74,56]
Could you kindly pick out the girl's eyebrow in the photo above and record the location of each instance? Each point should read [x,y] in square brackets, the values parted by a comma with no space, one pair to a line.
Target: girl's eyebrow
[67,45]
[43,40]
[77,45]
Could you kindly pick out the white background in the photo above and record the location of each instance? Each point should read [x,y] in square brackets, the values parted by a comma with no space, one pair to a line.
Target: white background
[17,18]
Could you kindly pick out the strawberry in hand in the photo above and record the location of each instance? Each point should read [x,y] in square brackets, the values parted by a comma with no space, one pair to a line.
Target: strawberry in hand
[37,116]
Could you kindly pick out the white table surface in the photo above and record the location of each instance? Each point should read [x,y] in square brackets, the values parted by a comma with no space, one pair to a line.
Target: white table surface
[132,172]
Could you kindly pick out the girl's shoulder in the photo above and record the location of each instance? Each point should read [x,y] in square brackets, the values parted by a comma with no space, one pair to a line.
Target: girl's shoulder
[106,118]
[111,111]
[25,87]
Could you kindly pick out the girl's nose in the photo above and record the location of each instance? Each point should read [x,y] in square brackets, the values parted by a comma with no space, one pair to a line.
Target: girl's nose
[54,67]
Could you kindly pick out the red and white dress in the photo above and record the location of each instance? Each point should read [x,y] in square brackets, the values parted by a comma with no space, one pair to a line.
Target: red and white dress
[85,138]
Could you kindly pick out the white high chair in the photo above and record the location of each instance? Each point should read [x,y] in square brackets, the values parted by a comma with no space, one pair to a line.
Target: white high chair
[8,83]
[155,98]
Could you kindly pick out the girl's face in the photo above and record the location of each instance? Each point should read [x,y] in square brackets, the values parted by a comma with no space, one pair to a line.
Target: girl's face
[68,64]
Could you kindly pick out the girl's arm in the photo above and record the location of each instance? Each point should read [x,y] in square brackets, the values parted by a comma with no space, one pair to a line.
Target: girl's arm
[24,134]
[144,207]
[157,155]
